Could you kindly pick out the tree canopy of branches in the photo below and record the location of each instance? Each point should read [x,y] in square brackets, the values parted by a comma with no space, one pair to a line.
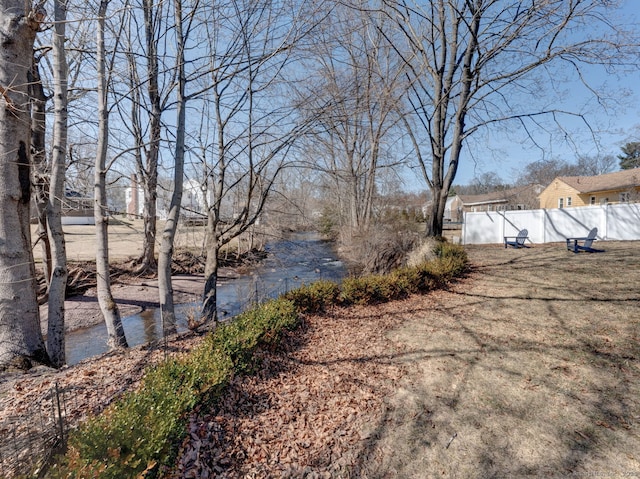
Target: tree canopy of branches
[473,63]
[368,85]
[355,93]
[542,172]
[249,124]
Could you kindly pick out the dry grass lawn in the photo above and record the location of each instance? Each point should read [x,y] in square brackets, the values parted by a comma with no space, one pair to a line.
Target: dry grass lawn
[530,367]
[125,239]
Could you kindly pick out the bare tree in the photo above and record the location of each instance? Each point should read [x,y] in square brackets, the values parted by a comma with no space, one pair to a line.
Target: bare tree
[20,336]
[248,127]
[355,95]
[40,173]
[165,288]
[148,96]
[483,183]
[474,63]
[542,172]
[59,272]
[108,306]
[593,165]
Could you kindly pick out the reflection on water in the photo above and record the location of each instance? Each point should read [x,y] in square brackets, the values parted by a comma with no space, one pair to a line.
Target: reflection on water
[301,259]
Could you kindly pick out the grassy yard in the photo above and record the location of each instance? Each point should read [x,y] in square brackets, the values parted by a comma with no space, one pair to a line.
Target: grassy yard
[529,367]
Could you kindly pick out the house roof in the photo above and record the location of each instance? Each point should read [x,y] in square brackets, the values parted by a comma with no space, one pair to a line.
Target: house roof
[610,181]
[501,196]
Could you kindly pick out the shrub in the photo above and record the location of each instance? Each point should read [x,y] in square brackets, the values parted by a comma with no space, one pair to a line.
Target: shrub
[261,325]
[316,297]
[451,261]
[137,434]
[369,289]
[424,252]
[376,250]
[410,281]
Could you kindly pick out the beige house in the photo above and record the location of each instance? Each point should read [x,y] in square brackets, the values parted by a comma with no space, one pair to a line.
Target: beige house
[520,198]
[566,191]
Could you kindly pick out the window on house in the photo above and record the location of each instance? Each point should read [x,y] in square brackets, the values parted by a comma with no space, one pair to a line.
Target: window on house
[489,208]
[568,200]
[560,202]
[604,201]
[592,200]
[625,197]
[521,207]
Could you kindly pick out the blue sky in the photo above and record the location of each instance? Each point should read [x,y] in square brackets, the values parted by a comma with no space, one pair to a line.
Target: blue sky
[505,154]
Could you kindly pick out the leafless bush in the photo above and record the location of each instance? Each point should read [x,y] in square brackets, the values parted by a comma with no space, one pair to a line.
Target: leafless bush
[378,249]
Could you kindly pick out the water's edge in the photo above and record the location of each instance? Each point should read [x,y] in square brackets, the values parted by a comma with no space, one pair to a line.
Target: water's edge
[300,259]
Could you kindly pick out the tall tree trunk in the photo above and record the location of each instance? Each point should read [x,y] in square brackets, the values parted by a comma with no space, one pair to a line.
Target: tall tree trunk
[59,272]
[39,161]
[108,306]
[435,222]
[20,336]
[150,171]
[165,288]
[210,299]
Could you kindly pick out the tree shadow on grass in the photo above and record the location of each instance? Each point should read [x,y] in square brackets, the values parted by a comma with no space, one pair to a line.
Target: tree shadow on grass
[507,385]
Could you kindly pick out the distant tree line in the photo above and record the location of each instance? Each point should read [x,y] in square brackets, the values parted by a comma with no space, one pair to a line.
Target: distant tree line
[542,172]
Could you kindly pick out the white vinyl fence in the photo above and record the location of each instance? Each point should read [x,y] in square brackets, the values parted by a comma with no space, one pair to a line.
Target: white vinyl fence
[614,222]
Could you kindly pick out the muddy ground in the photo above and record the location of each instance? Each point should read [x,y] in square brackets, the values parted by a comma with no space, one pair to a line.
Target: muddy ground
[132,293]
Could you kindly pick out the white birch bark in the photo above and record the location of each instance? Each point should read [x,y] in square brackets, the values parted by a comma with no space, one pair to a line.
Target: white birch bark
[59,271]
[20,336]
[108,306]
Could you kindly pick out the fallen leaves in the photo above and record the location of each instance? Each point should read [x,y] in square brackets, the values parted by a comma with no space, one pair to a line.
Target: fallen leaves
[303,414]
[27,419]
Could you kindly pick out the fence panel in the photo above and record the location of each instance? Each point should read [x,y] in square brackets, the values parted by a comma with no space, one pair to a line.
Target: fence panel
[574,222]
[623,222]
[614,222]
[482,228]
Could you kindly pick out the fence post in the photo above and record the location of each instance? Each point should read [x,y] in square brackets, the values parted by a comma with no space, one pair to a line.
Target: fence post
[60,418]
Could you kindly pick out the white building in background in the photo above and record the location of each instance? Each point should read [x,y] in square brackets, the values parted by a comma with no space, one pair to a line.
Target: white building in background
[193,204]
[193,198]
[134,199]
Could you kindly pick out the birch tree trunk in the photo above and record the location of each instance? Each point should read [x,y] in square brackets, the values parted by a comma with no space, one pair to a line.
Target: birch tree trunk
[59,271]
[20,336]
[109,308]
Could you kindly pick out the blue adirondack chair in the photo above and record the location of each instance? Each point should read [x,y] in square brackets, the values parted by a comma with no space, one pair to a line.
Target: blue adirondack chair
[584,244]
[517,241]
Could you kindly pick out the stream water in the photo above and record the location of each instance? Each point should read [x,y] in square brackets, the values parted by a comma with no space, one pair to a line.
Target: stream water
[300,259]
